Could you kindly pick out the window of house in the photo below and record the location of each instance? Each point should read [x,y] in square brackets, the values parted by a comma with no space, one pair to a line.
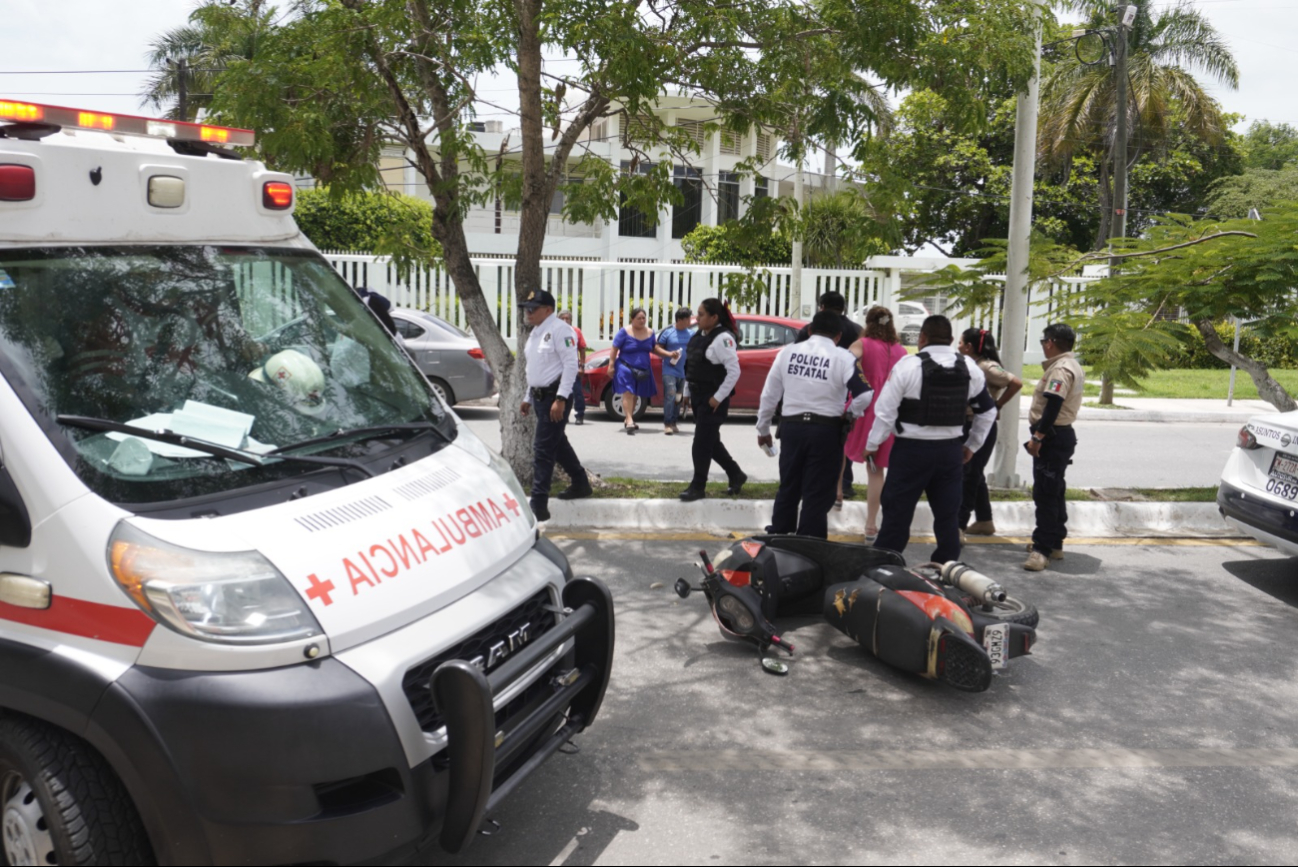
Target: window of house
[760,188]
[731,142]
[727,197]
[695,130]
[763,145]
[631,221]
[688,213]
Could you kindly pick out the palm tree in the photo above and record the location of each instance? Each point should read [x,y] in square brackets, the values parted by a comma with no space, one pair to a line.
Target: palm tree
[195,54]
[1078,102]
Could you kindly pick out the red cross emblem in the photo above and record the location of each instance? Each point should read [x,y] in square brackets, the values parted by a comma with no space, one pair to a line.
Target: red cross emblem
[320,589]
[512,504]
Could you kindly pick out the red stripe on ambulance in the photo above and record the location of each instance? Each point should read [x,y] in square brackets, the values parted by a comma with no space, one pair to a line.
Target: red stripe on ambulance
[390,557]
[129,626]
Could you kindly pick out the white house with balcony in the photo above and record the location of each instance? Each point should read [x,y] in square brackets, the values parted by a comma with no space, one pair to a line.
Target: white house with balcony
[713,189]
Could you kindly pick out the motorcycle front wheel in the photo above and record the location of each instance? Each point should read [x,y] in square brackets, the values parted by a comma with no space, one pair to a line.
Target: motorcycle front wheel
[1012,610]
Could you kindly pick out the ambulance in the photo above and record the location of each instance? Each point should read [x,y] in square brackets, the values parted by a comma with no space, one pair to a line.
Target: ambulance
[263,598]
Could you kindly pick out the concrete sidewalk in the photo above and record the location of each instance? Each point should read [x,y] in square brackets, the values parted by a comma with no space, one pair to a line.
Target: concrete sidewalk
[1149,409]
[721,515]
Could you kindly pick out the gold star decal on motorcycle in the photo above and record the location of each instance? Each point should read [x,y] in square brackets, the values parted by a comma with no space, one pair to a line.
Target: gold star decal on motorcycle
[839,599]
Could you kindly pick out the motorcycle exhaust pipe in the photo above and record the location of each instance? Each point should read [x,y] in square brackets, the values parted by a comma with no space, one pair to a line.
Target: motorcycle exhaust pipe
[976,584]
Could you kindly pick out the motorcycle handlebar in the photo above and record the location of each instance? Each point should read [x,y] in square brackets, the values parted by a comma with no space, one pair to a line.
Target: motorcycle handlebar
[782,644]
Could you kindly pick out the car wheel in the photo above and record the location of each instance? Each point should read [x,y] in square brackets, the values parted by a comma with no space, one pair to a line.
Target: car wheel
[613,405]
[443,391]
[61,802]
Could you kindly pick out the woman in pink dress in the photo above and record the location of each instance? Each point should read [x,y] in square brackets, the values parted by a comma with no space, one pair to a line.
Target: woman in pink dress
[877,351]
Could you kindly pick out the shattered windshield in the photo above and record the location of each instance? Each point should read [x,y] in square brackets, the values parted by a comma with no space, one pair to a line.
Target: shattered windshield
[247,348]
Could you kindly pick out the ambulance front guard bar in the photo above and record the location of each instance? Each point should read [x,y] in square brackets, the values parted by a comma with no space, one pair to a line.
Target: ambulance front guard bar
[464,695]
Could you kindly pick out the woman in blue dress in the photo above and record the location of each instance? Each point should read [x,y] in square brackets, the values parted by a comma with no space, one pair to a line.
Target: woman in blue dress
[629,360]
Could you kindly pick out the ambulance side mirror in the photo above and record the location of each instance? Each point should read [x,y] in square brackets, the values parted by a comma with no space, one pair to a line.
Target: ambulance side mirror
[15,523]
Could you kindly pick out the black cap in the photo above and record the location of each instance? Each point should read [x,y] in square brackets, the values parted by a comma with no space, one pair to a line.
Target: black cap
[537,298]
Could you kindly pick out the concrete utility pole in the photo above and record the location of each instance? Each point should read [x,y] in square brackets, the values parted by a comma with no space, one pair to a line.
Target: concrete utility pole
[796,263]
[1014,316]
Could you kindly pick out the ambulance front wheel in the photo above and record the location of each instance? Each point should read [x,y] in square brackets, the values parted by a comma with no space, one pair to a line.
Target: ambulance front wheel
[61,803]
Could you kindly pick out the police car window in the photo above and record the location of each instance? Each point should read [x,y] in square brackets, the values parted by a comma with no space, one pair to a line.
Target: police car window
[249,348]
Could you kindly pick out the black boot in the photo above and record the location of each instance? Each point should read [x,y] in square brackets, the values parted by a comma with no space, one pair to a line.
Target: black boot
[577,490]
[737,484]
[689,495]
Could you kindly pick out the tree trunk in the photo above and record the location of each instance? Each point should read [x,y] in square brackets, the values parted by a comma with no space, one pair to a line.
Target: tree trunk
[1106,390]
[1269,390]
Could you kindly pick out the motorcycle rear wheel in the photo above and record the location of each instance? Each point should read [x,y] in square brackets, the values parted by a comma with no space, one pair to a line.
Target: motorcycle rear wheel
[1012,610]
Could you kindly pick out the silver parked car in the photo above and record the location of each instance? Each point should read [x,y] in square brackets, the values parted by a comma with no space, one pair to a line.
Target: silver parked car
[450,358]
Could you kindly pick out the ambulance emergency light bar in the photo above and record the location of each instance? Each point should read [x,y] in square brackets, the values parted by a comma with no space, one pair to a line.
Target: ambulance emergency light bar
[126,124]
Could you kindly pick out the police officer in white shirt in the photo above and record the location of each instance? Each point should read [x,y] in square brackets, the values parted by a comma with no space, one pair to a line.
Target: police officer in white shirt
[551,354]
[924,402]
[813,379]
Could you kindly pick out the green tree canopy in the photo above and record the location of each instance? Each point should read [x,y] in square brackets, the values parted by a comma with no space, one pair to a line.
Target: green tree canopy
[335,80]
[364,222]
[1270,146]
[1234,196]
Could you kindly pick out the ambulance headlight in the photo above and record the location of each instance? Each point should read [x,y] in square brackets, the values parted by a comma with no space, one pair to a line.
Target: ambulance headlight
[225,597]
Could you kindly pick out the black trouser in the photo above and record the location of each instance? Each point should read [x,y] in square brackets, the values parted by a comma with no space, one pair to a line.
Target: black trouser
[848,475]
[551,445]
[810,458]
[707,446]
[932,467]
[977,499]
[1048,488]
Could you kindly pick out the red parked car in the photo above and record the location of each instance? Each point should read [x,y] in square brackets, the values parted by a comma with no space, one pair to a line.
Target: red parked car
[760,338]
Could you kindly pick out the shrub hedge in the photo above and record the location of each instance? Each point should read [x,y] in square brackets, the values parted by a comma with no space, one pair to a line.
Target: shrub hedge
[366,222]
[1277,352]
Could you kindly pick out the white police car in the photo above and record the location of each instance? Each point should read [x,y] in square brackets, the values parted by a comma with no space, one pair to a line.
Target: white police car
[1259,485]
[263,598]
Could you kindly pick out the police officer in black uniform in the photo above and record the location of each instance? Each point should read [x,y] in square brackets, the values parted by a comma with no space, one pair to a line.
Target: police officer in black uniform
[712,371]
[551,353]
[813,379]
[924,401]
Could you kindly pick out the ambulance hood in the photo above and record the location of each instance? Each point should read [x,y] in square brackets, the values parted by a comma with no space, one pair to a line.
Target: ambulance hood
[379,554]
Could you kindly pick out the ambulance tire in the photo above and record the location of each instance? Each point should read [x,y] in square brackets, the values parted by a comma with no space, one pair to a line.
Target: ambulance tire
[60,801]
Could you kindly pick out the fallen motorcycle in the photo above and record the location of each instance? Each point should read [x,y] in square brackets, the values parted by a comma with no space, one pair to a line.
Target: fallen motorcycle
[945,622]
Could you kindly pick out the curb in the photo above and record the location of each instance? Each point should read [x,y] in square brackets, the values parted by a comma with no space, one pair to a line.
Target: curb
[1140,415]
[717,515]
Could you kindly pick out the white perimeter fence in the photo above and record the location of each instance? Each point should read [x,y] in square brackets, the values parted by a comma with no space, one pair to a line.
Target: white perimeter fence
[601,294]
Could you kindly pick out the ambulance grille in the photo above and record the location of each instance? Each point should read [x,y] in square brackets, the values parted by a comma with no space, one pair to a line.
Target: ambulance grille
[429,483]
[339,515]
[536,612]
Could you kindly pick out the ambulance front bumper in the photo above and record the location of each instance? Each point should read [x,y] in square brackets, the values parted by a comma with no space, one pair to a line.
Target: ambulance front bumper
[304,764]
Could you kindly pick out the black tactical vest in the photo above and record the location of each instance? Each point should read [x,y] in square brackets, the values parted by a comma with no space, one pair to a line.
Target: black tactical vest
[943,396]
[703,376]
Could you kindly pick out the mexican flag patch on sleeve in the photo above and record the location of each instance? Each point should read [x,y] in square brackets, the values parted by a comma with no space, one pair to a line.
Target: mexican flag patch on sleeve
[1055,386]
[568,341]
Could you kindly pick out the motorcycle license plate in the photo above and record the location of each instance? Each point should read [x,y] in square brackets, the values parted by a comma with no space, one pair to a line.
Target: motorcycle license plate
[996,641]
[1284,477]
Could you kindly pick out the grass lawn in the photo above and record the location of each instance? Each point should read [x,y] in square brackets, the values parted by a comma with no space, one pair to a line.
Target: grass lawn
[646,489]
[1209,384]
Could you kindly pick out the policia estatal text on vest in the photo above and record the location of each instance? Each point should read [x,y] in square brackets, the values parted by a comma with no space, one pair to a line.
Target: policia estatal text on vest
[814,380]
[924,403]
[1055,404]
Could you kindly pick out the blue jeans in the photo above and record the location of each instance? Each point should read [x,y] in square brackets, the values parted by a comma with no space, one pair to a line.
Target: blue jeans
[672,386]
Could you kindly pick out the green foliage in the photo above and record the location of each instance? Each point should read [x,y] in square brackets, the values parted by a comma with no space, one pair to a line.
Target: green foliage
[1165,101]
[729,245]
[1271,146]
[1279,351]
[1124,343]
[977,290]
[366,222]
[1233,197]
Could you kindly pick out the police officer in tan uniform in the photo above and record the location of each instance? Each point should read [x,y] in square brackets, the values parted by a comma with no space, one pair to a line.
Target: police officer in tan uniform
[1055,403]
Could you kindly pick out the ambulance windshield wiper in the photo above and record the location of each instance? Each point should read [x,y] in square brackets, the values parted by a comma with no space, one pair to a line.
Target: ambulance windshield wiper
[218,451]
[362,431]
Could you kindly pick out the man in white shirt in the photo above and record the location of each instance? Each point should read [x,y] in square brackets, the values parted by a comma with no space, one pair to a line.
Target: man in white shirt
[551,354]
[924,403]
[813,379]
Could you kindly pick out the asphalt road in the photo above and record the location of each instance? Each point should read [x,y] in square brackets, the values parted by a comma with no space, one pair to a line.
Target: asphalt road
[1152,724]
[1109,454]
